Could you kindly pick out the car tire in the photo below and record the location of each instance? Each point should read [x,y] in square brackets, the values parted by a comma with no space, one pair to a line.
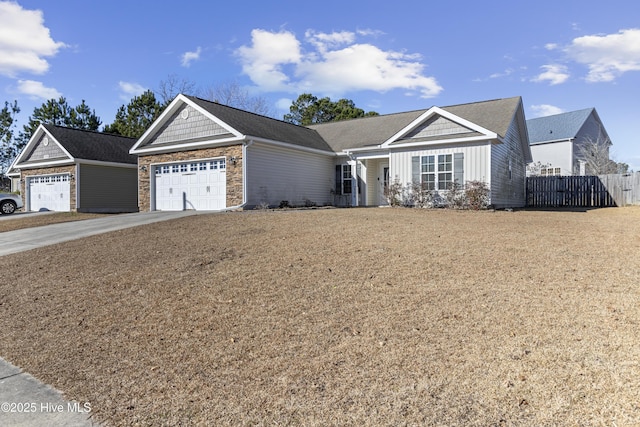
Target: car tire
[7,207]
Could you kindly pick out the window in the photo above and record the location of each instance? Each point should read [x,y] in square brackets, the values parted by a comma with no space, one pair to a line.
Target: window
[427,170]
[346,179]
[165,169]
[202,166]
[445,168]
[438,172]
[193,167]
[174,169]
[223,164]
[183,167]
[551,171]
[344,182]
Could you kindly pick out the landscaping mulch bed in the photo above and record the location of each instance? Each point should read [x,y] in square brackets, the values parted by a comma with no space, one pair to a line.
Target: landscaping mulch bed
[339,317]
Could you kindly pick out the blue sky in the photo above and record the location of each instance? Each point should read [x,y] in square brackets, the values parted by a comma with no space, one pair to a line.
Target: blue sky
[385,56]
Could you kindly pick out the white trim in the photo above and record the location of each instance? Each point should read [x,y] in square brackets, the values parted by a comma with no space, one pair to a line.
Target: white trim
[427,115]
[32,141]
[168,112]
[490,138]
[193,160]
[186,146]
[293,146]
[552,141]
[47,164]
[102,163]
[77,175]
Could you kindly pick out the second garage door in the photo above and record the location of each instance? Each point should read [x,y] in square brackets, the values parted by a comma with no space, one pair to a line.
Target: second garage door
[199,185]
[49,192]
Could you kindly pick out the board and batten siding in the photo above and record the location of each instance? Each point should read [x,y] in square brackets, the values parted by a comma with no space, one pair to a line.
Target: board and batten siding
[508,170]
[107,189]
[476,161]
[275,174]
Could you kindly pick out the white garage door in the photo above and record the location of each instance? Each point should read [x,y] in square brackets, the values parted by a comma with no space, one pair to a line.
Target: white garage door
[50,192]
[199,185]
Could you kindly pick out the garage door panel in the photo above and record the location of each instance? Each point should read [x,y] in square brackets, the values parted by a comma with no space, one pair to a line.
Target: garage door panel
[199,185]
[51,192]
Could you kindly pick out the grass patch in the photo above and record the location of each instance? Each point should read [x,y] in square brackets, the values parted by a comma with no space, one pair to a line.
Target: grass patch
[339,317]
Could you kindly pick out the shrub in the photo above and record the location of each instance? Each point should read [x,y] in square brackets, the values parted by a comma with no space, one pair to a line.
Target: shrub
[477,193]
[456,197]
[394,193]
[419,196]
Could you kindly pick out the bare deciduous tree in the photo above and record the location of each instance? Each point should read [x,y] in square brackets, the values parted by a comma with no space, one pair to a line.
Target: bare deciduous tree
[594,152]
[174,85]
[535,168]
[234,95]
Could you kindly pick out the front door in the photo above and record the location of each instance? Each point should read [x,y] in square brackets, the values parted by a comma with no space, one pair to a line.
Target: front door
[383,182]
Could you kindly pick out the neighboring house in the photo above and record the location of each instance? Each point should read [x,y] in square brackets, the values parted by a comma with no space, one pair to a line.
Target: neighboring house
[64,169]
[207,156]
[556,140]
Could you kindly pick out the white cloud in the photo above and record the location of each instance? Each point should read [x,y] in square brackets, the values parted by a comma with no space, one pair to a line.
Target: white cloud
[37,90]
[130,89]
[505,73]
[543,110]
[324,41]
[333,63]
[24,41]
[189,57]
[607,56]
[555,74]
[284,104]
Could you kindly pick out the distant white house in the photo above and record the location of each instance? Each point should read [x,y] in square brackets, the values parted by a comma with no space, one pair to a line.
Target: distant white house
[556,140]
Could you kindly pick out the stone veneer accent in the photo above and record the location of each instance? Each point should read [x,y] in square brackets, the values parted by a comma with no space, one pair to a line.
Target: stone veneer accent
[71,169]
[234,172]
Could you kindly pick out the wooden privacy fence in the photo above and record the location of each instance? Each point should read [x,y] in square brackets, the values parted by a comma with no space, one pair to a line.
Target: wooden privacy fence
[624,188]
[583,191]
[567,192]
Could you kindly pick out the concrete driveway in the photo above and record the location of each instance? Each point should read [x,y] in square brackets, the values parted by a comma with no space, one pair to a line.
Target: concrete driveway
[36,237]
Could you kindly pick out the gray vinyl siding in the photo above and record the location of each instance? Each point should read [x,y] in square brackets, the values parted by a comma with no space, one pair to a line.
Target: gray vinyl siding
[508,186]
[107,189]
[195,127]
[436,126]
[275,174]
[51,151]
[476,161]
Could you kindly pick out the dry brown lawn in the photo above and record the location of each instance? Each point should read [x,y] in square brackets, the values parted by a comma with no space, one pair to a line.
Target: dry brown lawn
[339,317]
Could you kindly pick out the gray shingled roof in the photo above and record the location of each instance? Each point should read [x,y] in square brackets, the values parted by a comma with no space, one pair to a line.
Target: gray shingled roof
[557,127]
[258,126]
[89,145]
[364,132]
[495,115]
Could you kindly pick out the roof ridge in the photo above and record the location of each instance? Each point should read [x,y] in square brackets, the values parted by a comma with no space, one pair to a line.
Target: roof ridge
[482,102]
[86,130]
[243,111]
[565,113]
